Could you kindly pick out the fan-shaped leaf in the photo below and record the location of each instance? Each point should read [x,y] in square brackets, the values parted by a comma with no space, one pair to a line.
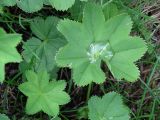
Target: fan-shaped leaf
[43,95]
[41,49]
[110,107]
[96,39]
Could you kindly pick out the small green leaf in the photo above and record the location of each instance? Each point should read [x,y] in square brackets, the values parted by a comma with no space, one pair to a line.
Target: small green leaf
[62,4]
[77,10]
[8,54]
[96,39]
[57,118]
[1,10]
[26,5]
[30,5]
[110,107]
[3,117]
[41,49]
[110,10]
[43,95]
[46,2]
[8,2]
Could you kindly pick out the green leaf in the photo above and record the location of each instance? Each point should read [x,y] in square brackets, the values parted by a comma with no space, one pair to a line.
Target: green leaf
[41,50]
[110,10]
[76,10]
[96,39]
[30,5]
[3,117]
[8,54]
[57,118]
[26,5]
[94,20]
[62,4]
[1,10]
[8,2]
[43,95]
[86,73]
[109,107]
[46,2]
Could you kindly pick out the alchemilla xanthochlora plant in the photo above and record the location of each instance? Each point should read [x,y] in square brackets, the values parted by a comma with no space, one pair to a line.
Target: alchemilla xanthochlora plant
[95,40]
[98,38]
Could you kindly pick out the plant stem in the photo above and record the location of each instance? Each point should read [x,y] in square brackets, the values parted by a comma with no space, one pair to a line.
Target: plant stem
[65,118]
[89,92]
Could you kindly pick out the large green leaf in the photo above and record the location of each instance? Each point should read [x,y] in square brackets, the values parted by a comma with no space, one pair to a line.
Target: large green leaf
[8,52]
[43,95]
[109,107]
[41,50]
[96,39]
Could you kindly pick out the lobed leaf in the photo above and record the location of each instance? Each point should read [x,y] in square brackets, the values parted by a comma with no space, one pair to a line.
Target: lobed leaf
[8,54]
[43,95]
[96,39]
[42,48]
[109,107]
